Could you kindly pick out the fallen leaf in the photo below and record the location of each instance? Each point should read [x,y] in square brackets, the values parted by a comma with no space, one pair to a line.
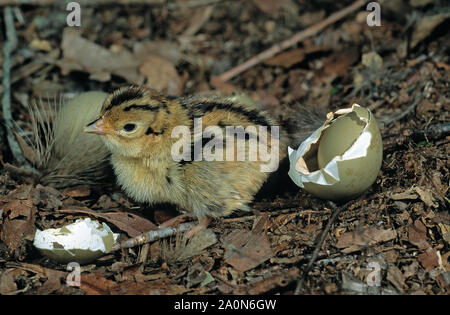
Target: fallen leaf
[269,282]
[442,65]
[286,59]
[82,54]
[161,75]
[425,26]
[338,63]
[418,235]
[429,259]
[78,191]
[427,197]
[157,287]
[411,270]
[96,284]
[395,276]
[18,225]
[445,231]
[47,197]
[269,6]
[310,18]
[424,106]
[372,60]
[8,281]
[369,235]
[130,223]
[168,50]
[247,249]
[38,44]
[406,195]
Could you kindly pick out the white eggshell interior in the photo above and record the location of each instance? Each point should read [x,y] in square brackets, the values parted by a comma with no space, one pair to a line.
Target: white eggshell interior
[83,234]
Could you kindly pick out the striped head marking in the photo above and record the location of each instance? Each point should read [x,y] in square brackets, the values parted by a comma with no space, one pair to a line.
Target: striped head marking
[131,118]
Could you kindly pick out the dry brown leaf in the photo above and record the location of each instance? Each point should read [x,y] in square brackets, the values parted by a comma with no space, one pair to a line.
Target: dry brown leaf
[369,235]
[247,249]
[18,225]
[78,191]
[425,106]
[96,284]
[287,59]
[43,45]
[427,197]
[445,231]
[82,54]
[418,235]
[47,197]
[406,195]
[168,50]
[310,18]
[130,223]
[426,25]
[338,63]
[429,259]
[158,287]
[269,6]
[8,281]
[161,75]
[395,276]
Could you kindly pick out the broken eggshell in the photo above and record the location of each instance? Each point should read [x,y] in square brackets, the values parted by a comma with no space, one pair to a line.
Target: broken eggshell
[82,241]
[341,159]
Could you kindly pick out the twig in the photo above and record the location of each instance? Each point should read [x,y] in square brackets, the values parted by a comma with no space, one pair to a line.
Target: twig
[81,2]
[298,37]
[433,132]
[153,235]
[91,3]
[10,45]
[409,109]
[273,213]
[337,211]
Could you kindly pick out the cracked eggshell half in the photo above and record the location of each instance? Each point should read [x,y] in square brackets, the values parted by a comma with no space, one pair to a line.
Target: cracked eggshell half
[82,241]
[341,159]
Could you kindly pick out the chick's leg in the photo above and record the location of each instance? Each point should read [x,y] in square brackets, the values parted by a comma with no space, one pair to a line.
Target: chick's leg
[203,223]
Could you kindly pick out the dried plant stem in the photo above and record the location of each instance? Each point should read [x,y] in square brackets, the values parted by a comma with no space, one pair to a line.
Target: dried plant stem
[191,3]
[154,235]
[337,211]
[8,48]
[298,37]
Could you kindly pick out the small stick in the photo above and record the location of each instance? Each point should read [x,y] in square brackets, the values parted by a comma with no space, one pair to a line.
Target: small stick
[337,211]
[8,48]
[153,235]
[298,37]
[190,4]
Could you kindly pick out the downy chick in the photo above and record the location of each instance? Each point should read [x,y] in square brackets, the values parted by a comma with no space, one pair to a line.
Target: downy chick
[140,127]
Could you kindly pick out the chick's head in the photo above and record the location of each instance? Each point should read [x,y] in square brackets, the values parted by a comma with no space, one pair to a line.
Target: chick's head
[131,120]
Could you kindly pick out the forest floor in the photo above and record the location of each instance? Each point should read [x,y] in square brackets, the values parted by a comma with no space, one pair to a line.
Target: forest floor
[396,235]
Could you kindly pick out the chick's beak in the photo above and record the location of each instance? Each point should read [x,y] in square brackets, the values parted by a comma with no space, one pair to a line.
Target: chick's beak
[97,127]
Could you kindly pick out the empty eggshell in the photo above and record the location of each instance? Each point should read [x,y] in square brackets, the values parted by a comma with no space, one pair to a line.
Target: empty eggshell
[341,159]
[82,241]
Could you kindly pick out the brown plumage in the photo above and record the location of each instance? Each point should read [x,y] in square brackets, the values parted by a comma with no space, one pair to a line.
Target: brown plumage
[136,124]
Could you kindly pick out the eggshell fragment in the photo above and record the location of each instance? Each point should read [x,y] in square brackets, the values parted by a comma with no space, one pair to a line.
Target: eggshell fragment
[82,241]
[341,159]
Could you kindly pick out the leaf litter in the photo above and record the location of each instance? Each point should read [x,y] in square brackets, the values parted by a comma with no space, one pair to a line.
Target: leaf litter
[401,223]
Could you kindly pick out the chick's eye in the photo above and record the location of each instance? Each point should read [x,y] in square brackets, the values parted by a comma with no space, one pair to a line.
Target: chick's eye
[129,127]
